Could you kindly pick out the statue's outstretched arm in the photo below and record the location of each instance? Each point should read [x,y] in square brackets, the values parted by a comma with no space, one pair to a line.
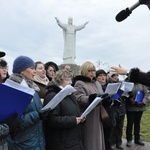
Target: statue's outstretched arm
[63,26]
[86,23]
[57,19]
[81,26]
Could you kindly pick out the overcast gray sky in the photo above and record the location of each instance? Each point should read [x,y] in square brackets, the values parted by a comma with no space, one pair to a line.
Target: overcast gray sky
[28,27]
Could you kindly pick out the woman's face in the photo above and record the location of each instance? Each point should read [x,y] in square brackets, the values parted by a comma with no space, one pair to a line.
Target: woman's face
[51,72]
[90,73]
[102,78]
[67,81]
[40,70]
[3,72]
[29,73]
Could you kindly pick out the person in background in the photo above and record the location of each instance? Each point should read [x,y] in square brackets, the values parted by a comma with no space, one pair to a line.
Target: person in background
[3,70]
[9,125]
[40,78]
[87,89]
[113,77]
[108,74]
[67,67]
[30,134]
[62,128]
[135,110]
[116,110]
[51,69]
[101,77]
[120,111]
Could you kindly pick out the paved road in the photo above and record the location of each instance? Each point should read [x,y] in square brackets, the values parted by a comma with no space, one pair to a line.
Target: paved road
[135,146]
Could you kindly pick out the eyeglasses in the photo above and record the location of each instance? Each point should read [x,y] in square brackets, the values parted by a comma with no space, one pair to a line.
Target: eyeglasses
[4,67]
[91,70]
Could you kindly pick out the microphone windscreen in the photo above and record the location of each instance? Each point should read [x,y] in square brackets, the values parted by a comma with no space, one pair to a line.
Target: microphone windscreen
[123,15]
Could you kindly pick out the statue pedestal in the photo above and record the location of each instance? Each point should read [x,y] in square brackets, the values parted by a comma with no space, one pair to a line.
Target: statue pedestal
[69,61]
[74,67]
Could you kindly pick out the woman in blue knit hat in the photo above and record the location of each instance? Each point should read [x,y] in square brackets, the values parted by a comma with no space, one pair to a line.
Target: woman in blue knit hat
[30,134]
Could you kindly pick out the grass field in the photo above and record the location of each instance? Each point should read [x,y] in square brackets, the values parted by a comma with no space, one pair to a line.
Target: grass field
[145,125]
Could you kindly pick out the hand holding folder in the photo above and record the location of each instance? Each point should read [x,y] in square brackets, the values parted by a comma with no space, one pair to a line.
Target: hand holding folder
[139,96]
[14,98]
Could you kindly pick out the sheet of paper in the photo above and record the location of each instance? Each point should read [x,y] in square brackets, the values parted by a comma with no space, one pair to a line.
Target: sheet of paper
[126,87]
[59,97]
[96,101]
[112,88]
[19,87]
[24,83]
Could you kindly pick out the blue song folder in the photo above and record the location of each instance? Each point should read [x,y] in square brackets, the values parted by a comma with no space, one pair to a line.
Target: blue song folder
[12,100]
[117,95]
[139,96]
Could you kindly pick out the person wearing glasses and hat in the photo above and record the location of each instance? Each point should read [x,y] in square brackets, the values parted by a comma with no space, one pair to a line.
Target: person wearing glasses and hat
[8,125]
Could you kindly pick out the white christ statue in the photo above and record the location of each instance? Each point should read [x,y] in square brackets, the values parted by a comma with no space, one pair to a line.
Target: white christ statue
[69,33]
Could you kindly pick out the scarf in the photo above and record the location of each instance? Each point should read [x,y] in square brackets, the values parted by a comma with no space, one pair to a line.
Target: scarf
[44,81]
[18,78]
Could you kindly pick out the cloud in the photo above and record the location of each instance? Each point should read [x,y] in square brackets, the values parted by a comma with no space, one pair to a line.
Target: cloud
[29,28]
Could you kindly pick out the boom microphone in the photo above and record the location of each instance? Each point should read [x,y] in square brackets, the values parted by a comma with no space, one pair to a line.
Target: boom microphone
[125,13]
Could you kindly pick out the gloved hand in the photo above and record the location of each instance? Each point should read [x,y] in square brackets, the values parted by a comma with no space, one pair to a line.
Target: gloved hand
[131,101]
[106,98]
[117,102]
[130,94]
[92,97]
[139,104]
[103,96]
[12,123]
[44,114]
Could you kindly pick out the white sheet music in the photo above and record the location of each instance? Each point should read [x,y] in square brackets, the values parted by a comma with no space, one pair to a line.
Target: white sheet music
[126,87]
[19,87]
[96,101]
[112,88]
[67,90]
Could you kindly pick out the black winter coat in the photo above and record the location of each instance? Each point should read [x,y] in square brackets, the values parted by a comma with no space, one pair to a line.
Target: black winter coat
[61,129]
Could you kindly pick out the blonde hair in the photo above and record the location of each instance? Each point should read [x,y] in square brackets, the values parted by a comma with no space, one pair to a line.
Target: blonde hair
[61,75]
[85,67]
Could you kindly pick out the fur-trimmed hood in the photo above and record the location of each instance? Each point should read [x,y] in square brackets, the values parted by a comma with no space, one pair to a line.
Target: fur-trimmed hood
[82,78]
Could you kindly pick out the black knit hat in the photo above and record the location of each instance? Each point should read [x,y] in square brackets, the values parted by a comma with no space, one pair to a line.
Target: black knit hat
[2,54]
[100,71]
